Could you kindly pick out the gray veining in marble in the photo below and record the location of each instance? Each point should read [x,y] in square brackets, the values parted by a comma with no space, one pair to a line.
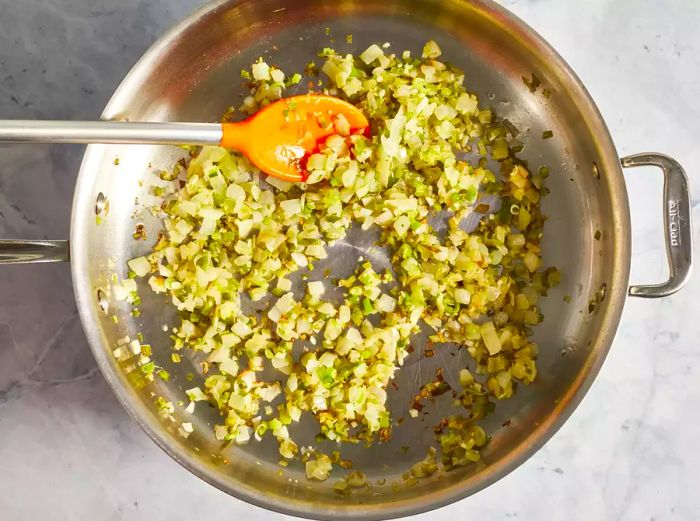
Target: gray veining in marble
[67,449]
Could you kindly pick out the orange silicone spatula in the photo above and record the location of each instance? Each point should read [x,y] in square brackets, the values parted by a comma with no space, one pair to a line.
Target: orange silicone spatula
[276,139]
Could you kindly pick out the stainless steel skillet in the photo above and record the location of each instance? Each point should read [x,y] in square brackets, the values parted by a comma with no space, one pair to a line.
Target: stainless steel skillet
[192,74]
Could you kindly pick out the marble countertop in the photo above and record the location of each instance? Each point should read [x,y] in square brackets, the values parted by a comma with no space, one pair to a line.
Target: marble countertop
[67,449]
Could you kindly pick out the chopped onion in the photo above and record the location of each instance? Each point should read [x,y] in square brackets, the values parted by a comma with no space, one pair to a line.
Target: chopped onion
[231,239]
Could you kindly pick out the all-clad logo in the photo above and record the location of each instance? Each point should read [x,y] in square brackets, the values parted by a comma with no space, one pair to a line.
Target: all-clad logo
[674,218]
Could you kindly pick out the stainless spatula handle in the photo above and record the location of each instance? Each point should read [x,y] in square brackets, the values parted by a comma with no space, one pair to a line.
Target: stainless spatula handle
[26,252]
[121,132]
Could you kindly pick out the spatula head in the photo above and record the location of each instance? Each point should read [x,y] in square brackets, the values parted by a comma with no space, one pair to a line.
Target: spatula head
[278,138]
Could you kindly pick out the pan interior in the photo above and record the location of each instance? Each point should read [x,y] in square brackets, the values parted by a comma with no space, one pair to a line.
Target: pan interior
[193,74]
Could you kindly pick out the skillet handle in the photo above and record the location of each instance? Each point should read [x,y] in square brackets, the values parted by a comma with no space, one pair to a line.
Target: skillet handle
[677,225]
[26,252]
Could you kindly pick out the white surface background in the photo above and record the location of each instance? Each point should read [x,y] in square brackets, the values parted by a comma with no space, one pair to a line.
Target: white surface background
[630,452]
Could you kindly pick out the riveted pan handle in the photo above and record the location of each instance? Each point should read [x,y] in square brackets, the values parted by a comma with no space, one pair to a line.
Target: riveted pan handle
[26,252]
[677,225]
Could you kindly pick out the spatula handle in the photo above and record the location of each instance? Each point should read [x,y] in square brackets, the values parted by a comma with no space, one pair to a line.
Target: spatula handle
[122,132]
